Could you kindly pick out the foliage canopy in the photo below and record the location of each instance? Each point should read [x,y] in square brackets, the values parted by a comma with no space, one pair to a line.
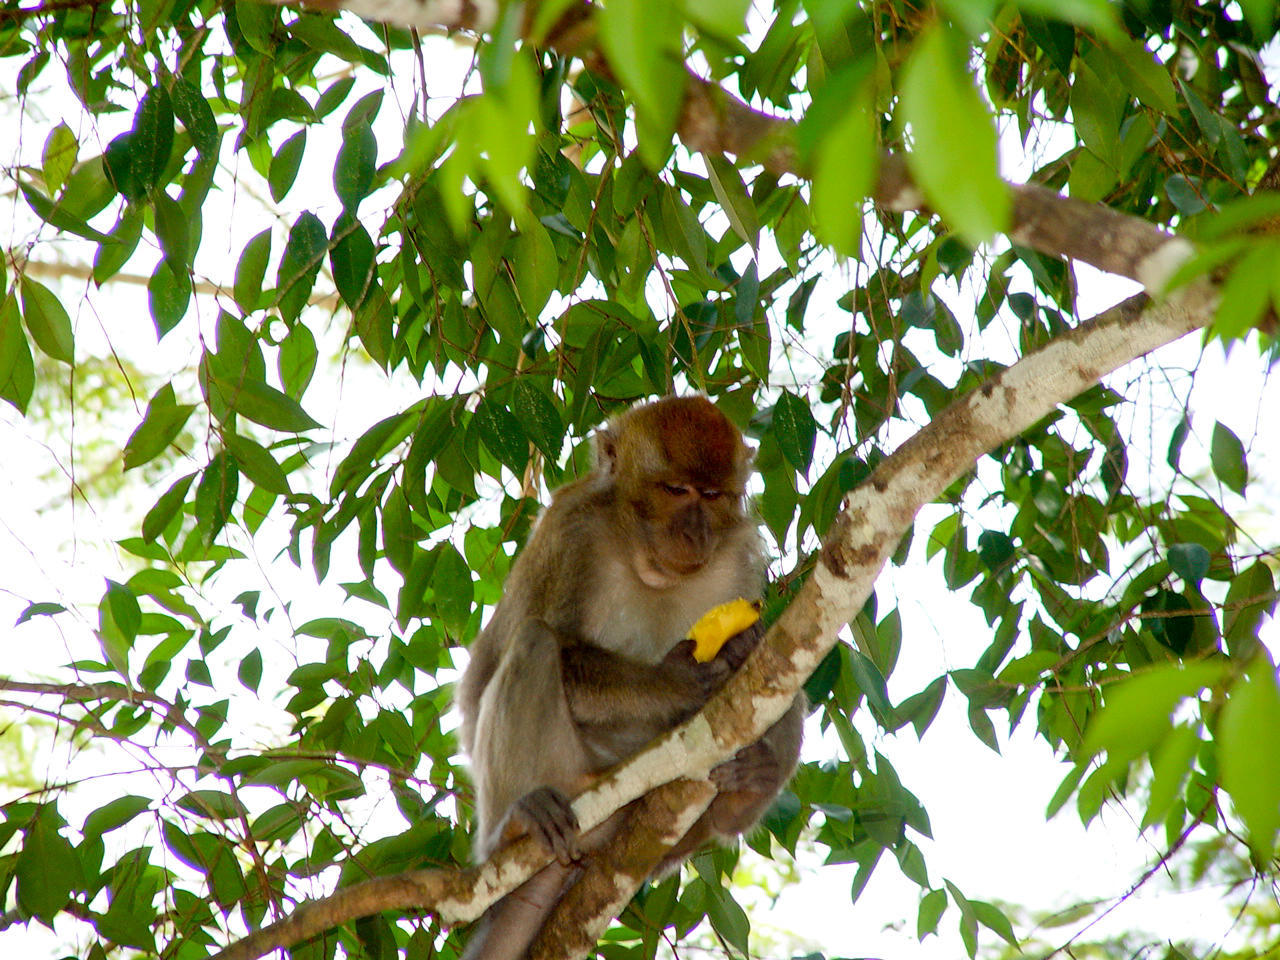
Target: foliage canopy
[393,283]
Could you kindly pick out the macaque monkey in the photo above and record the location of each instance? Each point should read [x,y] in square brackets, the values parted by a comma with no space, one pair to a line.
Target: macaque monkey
[583,662]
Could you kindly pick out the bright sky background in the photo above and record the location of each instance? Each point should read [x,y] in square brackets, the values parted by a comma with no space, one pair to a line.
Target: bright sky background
[986,810]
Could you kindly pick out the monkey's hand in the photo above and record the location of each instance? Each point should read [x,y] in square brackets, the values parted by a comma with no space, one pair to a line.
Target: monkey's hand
[545,813]
[738,647]
[699,680]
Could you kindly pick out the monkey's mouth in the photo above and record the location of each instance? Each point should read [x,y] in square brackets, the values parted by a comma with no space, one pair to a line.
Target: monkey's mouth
[662,573]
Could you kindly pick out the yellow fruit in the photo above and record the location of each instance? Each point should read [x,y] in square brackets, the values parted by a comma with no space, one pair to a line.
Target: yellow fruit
[719,624]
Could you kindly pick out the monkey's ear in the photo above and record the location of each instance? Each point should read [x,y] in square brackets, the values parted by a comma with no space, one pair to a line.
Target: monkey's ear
[606,450]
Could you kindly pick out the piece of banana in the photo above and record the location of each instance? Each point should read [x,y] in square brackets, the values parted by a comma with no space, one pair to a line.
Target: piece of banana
[719,624]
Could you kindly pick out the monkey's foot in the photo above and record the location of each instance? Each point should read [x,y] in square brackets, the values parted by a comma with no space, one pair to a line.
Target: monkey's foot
[546,814]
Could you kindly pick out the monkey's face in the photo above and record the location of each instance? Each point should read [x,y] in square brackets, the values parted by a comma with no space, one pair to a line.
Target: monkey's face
[681,526]
[679,468]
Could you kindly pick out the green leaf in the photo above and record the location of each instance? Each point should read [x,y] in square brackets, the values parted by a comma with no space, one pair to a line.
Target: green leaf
[1137,711]
[216,495]
[115,252]
[249,672]
[1190,561]
[1247,291]
[47,867]
[641,42]
[115,814]
[1226,453]
[995,549]
[731,192]
[250,270]
[257,464]
[213,804]
[844,165]
[168,295]
[17,371]
[172,230]
[284,165]
[160,426]
[303,254]
[932,906]
[296,361]
[1250,764]
[351,256]
[266,405]
[166,508]
[871,682]
[452,586]
[501,432]
[354,168]
[190,106]
[58,214]
[538,416]
[795,430]
[152,138]
[954,155]
[47,320]
[38,610]
[59,156]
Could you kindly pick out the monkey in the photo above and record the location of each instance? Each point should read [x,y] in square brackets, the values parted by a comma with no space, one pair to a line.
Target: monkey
[583,661]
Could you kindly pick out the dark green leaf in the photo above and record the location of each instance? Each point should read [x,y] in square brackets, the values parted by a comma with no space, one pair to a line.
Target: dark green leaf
[256,463]
[354,168]
[250,270]
[190,106]
[502,434]
[285,164]
[216,495]
[165,509]
[169,295]
[1190,561]
[160,426]
[303,254]
[152,139]
[995,549]
[795,430]
[537,414]
[351,257]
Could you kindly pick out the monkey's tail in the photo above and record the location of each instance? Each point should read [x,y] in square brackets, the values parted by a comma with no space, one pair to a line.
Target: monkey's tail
[507,928]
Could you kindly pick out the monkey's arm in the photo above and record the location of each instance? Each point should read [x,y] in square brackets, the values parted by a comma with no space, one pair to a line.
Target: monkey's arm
[605,689]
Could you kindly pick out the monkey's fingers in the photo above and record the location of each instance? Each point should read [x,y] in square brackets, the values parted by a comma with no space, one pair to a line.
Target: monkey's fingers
[738,647]
[754,768]
[546,814]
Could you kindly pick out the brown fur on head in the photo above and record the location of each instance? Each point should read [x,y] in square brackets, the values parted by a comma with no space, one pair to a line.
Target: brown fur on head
[679,468]
[684,436]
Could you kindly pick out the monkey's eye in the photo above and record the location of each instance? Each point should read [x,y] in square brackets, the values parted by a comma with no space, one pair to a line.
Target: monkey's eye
[676,489]
[711,494]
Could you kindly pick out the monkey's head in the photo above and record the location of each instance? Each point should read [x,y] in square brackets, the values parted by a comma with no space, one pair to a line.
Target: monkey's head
[679,469]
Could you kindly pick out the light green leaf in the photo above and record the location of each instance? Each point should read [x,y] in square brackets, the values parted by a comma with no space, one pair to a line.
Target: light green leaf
[284,165]
[17,371]
[1138,710]
[1226,453]
[47,320]
[1247,755]
[59,156]
[954,140]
